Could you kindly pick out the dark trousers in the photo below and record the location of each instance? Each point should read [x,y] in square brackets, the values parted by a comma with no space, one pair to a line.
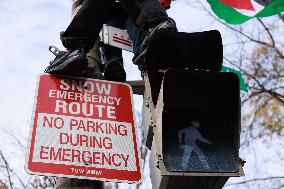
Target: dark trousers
[94,13]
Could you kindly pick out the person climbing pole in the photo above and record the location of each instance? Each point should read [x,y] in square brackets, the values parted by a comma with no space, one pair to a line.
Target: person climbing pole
[83,31]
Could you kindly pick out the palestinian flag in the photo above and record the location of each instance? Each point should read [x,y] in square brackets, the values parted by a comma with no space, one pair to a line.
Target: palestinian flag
[239,11]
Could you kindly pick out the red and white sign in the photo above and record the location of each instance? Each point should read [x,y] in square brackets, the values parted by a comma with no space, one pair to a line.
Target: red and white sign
[122,40]
[83,128]
[119,38]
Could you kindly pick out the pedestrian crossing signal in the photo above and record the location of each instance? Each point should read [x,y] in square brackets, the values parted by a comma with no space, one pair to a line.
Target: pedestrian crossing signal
[201,122]
[190,135]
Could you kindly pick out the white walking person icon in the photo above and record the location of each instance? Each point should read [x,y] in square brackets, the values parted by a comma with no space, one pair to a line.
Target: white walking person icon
[191,134]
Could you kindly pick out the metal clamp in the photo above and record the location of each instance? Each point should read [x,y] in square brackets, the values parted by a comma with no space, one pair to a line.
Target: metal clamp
[54,50]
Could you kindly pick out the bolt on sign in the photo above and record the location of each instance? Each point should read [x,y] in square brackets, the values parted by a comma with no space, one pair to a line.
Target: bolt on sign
[83,128]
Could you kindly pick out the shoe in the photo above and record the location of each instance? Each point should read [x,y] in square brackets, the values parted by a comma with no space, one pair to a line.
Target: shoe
[67,63]
[114,71]
[168,24]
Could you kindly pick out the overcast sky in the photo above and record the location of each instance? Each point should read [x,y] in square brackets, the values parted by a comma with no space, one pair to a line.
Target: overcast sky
[28,27]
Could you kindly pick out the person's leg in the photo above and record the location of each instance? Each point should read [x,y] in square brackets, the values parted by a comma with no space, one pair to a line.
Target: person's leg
[84,29]
[79,37]
[201,157]
[93,14]
[117,19]
[145,13]
[186,156]
[136,34]
[93,69]
[114,70]
[150,16]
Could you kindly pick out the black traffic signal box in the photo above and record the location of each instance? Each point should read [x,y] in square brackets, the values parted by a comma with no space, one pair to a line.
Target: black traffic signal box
[201,121]
[194,128]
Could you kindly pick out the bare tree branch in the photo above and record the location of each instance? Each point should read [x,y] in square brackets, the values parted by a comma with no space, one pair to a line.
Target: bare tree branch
[7,169]
[268,32]
[255,180]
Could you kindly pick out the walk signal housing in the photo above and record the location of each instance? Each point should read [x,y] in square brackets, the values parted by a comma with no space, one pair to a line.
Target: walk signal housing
[194,128]
[201,120]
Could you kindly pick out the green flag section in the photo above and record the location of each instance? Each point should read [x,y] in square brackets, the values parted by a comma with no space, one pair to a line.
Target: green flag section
[240,11]
[243,85]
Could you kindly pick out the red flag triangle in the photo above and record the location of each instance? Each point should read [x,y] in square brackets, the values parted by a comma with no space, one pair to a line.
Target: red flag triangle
[239,4]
